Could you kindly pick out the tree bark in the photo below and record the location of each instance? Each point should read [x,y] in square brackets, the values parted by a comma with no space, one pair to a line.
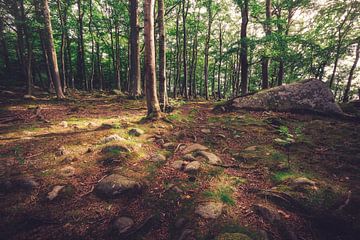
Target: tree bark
[220,61]
[177,79]
[117,57]
[265,59]
[62,17]
[150,72]
[162,57]
[185,7]
[51,50]
[134,51]
[81,71]
[4,49]
[243,49]
[206,52]
[352,70]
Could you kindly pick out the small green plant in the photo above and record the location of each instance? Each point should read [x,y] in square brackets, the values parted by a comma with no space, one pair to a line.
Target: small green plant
[18,152]
[286,140]
[222,193]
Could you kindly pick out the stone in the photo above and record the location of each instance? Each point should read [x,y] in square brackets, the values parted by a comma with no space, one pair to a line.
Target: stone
[206,131]
[54,192]
[122,225]
[232,236]
[209,210]
[251,148]
[67,171]
[303,181]
[189,157]
[210,157]
[92,125]
[111,138]
[114,185]
[61,151]
[178,164]
[307,95]
[192,167]
[23,183]
[118,148]
[158,158]
[194,147]
[136,132]
[63,124]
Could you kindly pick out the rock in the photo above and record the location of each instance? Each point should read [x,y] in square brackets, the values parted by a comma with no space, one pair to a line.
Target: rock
[303,182]
[61,151]
[210,157]
[114,185]
[136,132]
[266,212]
[210,210]
[206,131]
[92,125]
[169,145]
[308,95]
[114,149]
[194,147]
[29,97]
[232,236]
[192,167]
[54,192]
[111,138]
[158,158]
[63,124]
[67,171]
[251,148]
[178,164]
[26,183]
[122,225]
[189,157]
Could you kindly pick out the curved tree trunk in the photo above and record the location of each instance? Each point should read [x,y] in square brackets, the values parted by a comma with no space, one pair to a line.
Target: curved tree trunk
[150,73]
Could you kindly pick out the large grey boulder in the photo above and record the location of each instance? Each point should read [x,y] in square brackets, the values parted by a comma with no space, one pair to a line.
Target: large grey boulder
[308,95]
[114,185]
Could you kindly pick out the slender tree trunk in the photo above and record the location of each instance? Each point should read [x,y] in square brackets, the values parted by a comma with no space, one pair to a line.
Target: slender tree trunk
[177,79]
[117,57]
[352,70]
[337,56]
[81,71]
[207,45]
[265,59]
[99,68]
[280,77]
[150,72]
[185,7]
[4,49]
[243,49]
[62,16]
[162,57]
[220,61]
[51,49]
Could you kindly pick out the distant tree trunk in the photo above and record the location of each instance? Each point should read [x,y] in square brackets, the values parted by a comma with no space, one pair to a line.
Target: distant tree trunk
[281,71]
[150,72]
[352,70]
[220,61]
[135,51]
[265,59]
[206,52]
[177,79]
[185,7]
[92,75]
[4,49]
[62,17]
[51,50]
[117,57]
[337,56]
[194,60]
[162,57]
[243,49]
[81,71]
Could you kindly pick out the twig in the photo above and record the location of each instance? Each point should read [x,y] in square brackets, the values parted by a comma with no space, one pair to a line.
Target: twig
[178,146]
[88,192]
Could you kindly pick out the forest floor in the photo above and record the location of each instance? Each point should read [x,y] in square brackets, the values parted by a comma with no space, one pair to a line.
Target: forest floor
[258,188]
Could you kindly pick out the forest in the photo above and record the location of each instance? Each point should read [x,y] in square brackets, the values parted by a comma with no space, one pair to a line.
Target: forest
[180,119]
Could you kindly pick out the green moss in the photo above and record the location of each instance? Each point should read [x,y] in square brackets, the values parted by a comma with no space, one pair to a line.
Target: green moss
[222,193]
[282,176]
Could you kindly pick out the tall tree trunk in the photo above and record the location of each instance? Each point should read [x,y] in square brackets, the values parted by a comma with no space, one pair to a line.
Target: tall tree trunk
[92,76]
[177,79]
[207,45]
[352,70]
[135,51]
[194,60]
[220,61]
[51,49]
[117,57]
[62,16]
[265,59]
[4,49]
[99,68]
[337,56]
[162,57]
[185,7]
[243,49]
[281,71]
[150,72]
[81,71]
